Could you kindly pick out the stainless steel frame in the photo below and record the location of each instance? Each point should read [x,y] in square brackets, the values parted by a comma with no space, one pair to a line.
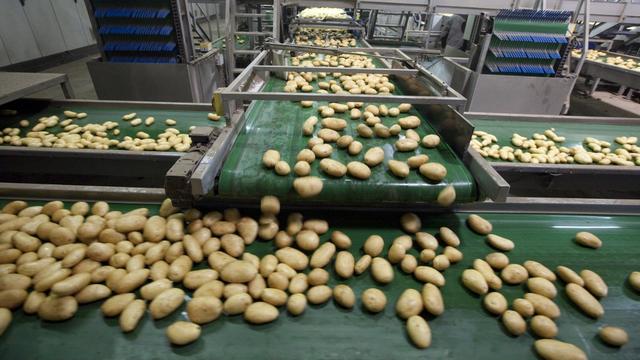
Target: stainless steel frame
[612,73]
[15,85]
[566,180]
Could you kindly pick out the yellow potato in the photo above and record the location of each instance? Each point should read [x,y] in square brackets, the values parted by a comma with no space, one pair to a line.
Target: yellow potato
[514,323]
[131,281]
[514,274]
[543,327]
[292,257]
[261,313]
[406,144]
[213,288]
[495,303]
[398,168]
[428,274]
[333,167]
[71,285]
[341,240]
[584,300]
[569,276]
[431,141]
[319,294]
[432,299]
[634,280]
[308,186]
[611,335]
[500,243]
[55,308]
[196,278]
[410,223]
[275,297]
[419,331]
[166,303]
[32,303]
[543,305]
[550,349]
[433,171]
[202,310]
[373,245]
[154,229]
[91,293]
[523,307]
[474,281]
[536,269]
[403,108]
[153,289]
[298,284]
[344,264]
[374,300]
[594,283]
[130,223]
[270,158]
[409,304]
[358,170]
[183,332]
[374,156]
[334,123]
[479,224]
[542,287]
[14,281]
[296,304]
[322,256]
[381,270]
[588,239]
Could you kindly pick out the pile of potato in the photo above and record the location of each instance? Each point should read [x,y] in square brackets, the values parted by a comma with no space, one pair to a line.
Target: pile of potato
[320,146]
[324,37]
[538,304]
[323,13]
[601,56]
[53,259]
[545,149]
[96,135]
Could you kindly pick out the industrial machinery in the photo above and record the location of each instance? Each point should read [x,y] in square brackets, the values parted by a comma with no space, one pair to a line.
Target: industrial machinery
[224,169]
[145,46]
[611,67]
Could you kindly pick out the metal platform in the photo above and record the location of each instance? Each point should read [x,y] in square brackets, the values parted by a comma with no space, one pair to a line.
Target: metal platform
[15,85]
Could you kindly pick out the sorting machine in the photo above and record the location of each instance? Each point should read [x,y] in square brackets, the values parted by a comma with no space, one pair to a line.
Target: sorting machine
[225,168]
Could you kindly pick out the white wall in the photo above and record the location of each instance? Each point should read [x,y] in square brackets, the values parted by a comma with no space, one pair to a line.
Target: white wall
[41,28]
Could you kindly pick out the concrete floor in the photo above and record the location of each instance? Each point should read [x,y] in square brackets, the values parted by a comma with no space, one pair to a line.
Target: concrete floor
[603,103]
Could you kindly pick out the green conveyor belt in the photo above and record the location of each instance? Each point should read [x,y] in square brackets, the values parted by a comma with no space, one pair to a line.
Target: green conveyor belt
[464,331]
[278,125]
[184,118]
[575,133]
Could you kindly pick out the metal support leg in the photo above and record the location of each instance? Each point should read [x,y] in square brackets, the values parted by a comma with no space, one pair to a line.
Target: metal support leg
[67,90]
[594,86]
[621,90]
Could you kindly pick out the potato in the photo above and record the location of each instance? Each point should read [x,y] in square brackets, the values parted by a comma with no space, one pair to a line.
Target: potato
[406,144]
[282,168]
[523,307]
[153,289]
[344,264]
[429,275]
[543,305]
[344,141]
[410,222]
[154,229]
[381,270]
[196,278]
[322,256]
[358,170]
[220,228]
[270,158]
[500,243]
[275,297]
[99,208]
[30,211]
[479,224]
[550,349]
[569,276]
[25,242]
[278,280]
[286,270]
[334,123]
[543,327]
[594,283]
[296,304]
[396,253]
[32,303]
[308,186]
[610,335]
[307,129]
[341,240]
[355,148]
[202,310]
[232,244]
[409,304]
[373,245]
[166,303]
[333,167]
[91,293]
[432,299]
[374,156]
[71,285]
[433,171]
[130,223]
[536,269]
[292,257]
[587,239]
[319,294]
[180,267]
[116,304]
[497,260]
[55,308]
[403,108]
[14,207]
[239,271]
[584,300]
[514,274]
[14,281]
[542,287]
[322,150]
[374,300]
[183,332]
[298,284]
[409,122]
[12,298]
[431,141]
[474,281]
[514,323]
[317,277]
[634,280]
[213,288]
[495,303]
[131,281]
[419,331]
[362,264]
